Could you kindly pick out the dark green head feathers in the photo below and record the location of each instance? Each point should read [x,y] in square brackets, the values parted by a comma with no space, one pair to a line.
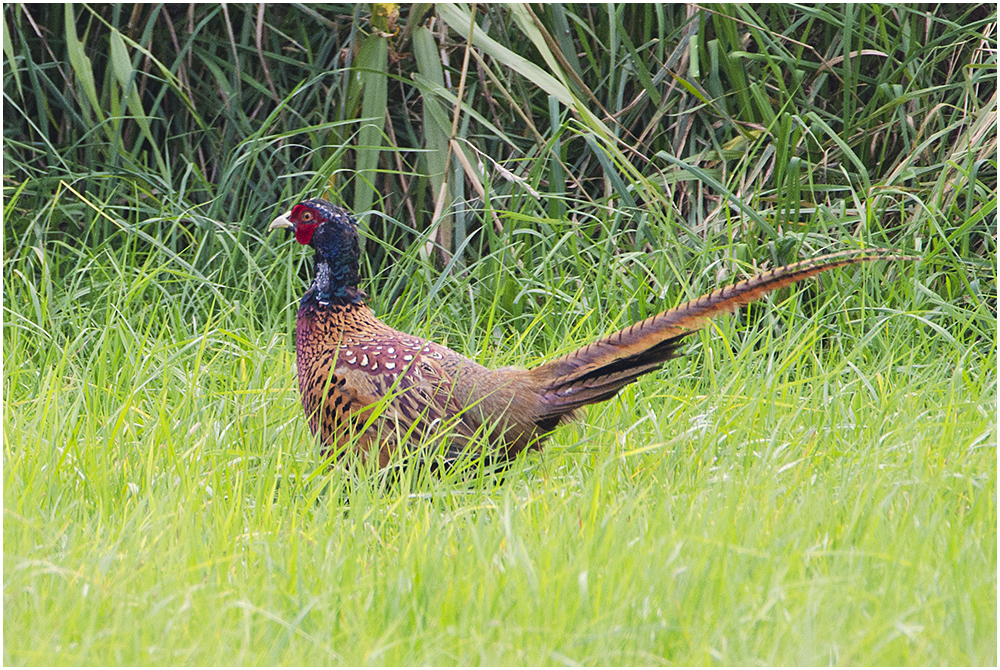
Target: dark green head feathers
[332,232]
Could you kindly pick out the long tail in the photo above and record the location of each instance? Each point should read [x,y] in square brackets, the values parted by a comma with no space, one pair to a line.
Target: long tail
[599,370]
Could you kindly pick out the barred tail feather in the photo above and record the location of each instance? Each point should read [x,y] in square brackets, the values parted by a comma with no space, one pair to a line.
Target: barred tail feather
[599,370]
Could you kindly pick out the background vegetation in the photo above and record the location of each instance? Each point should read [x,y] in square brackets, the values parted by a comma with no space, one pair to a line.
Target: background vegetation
[815,483]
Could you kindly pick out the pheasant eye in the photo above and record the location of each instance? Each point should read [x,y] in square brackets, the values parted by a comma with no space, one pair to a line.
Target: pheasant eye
[307,216]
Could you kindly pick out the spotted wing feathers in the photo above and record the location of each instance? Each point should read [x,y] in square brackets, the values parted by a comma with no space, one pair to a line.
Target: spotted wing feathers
[368,387]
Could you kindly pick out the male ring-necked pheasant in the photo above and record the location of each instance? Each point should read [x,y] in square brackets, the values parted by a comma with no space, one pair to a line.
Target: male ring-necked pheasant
[378,389]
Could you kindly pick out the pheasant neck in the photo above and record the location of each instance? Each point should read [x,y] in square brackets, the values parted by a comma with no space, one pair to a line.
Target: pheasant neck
[334,283]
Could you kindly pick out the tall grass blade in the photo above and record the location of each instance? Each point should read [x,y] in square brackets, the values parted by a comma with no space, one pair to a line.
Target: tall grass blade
[370,66]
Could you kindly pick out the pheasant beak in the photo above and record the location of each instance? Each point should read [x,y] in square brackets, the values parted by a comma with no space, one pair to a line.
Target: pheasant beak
[282,221]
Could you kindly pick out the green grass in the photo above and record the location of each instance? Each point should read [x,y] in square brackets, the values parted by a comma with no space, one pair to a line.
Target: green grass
[813,483]
[808,498]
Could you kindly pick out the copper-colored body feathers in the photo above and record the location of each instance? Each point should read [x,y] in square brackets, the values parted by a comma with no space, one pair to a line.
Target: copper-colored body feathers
[372,390]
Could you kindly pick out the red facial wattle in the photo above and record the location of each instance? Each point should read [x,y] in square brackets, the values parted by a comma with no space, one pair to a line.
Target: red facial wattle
[306,221]
[304,232]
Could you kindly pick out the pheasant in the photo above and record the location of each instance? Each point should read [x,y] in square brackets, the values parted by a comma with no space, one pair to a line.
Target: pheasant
[370,390]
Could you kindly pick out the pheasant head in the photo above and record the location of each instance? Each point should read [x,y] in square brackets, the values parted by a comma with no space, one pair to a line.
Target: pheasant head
[333,234]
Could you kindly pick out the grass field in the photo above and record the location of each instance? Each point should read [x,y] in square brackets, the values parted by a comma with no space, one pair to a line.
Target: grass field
[767,500]
[814,483]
